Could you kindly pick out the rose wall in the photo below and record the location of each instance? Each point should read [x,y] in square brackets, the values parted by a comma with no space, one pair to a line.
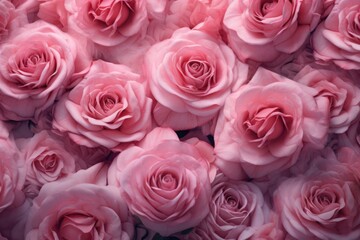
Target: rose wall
[179,119]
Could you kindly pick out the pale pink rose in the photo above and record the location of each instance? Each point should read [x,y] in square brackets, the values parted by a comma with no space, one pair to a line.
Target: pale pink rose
[265,124]
[337,39]
[236,209]
[189,13]
[336,93]
[265,31]
[108,23]
[79,207]
[46,160]
[166,183]
[36,66]
[190,75]
[108,108]
[322,204]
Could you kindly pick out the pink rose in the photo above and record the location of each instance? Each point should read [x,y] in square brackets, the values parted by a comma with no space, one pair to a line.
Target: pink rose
[54,12]
[337,38]
[190,75]
[166,183]
[36,66]
[264,31]
[12,172]
[322,204]
[109,108]
[72,209]
[189,13]
[108,23]
[237,209]
[9,18]
[265,124]
[46,160]
[337,94]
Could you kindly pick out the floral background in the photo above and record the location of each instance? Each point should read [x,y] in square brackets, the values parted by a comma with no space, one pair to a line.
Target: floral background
[179,119]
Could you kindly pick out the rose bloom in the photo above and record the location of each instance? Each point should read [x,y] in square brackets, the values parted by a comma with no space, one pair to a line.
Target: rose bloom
[54,12]
[236,209]
[108,23]
[337,94]
[46,159]
[265,124]
[189,13]
[72,209]
[264,31]
[13,205]
[321,204]
[165,184]
[12,172]
[9,18]
[108,108]
[337,39]
[36,66]
[190,75]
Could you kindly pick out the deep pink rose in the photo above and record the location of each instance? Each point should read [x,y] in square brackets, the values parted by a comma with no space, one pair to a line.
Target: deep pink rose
[264,31]
[265,124]
[46,160]
[322,204]
[237,210]
[36,66]
[108,23]
[166,184]
[336,93]
[337,39]
[109,108]
[79,207]
[190,75]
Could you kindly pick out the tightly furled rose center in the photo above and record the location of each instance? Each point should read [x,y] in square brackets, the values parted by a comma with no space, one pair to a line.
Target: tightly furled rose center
[234,203]
[198,75]
[111,13]
[79,226]
[270,13]
[325,204]
[107,103]
[165,181]
[267,6]
[267,124]
[47,163]
[34,69]
[231,200]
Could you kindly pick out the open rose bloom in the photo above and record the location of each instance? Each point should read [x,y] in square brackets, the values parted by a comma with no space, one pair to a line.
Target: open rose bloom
[179,119]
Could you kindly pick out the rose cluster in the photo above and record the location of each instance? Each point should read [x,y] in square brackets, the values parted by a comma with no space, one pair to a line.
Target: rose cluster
[179,119]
